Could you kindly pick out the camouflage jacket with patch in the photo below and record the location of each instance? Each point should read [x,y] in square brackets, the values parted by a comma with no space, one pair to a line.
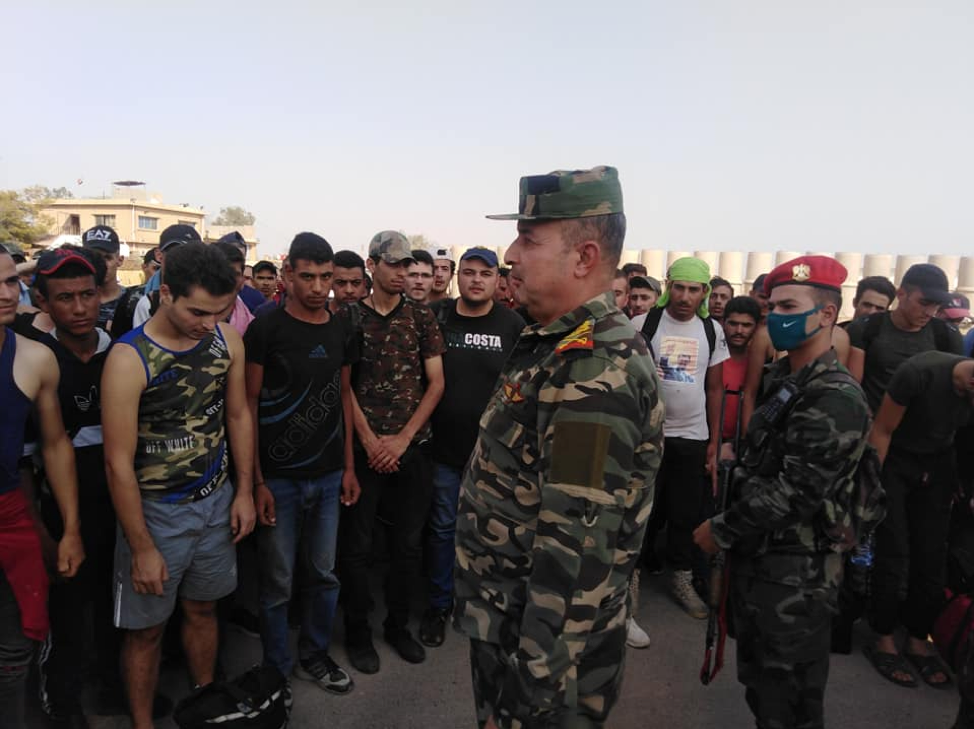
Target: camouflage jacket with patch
[554,502]
[790,474]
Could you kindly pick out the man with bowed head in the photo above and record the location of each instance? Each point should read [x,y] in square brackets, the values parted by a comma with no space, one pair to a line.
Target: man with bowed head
[555,497]
[787,515]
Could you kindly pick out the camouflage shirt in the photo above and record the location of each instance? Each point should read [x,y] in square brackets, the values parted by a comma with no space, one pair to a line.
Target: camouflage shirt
[555,499]
[791,469]
[390,377]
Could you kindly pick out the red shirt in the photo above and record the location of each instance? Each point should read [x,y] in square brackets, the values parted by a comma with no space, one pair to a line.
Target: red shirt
[735,374]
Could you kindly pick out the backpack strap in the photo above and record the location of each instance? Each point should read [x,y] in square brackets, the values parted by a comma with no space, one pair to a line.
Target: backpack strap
[653,319]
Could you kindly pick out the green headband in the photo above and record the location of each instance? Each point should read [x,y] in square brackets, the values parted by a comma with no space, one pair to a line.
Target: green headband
[693,270]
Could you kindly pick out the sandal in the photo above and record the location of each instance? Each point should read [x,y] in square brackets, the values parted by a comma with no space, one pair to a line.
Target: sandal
[928,667]
[887,664]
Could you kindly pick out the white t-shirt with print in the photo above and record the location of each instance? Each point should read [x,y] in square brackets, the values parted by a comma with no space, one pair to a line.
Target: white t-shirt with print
[682,355]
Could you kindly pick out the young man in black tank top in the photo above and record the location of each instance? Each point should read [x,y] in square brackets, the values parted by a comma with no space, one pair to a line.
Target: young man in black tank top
[174,398]
[28,377]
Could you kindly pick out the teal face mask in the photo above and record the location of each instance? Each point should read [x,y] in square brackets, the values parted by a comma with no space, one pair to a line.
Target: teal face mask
[787,331]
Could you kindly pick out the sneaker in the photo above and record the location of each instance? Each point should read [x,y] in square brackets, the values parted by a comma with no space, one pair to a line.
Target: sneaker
[636,637]
[288,696]
[681,586]
[321,669]
[432,630]
[361,652]
[404,643]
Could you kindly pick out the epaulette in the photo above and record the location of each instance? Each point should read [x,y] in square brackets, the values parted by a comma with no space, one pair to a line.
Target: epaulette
[581,338]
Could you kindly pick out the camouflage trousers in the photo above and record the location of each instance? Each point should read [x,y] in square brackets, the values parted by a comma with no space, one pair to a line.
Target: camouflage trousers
[592,690]
[783,639]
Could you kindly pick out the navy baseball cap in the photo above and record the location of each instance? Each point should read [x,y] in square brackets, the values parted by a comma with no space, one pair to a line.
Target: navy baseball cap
[484,254]
[51,261]
[102,238]
[177,235]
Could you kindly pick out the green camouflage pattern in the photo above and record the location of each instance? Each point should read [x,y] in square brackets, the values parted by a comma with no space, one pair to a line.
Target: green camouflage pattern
[568,194]
[785,567]
[553,508]
[391,246]
[788,488]
[181,453]
[783,640]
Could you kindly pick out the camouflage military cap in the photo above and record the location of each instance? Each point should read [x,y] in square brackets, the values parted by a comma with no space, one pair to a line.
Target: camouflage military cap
[568,194]
[391,246]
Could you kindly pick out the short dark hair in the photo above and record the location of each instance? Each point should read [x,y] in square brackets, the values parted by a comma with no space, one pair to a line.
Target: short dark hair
[633,268]
[880,284]
[309,247]
[640,282]
[743,305]
[503,272]
[609,231]
[718,281]
[758,284]
[349,259]
[73,270]
[262,265]
[421,256]
[620,273]
[823,297]
[231,251]
[197,264]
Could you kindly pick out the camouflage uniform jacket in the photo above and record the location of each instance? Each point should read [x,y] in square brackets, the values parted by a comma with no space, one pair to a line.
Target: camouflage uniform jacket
[784,486]
[555,499]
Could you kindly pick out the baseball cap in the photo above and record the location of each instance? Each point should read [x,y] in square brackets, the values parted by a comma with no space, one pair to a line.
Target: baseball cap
[930,279]
[235,238]
[391,246]
[959,306]
[568,194]
[150,256]
[51,261]
[484,254]
[177,235]
[102,238]
[443,253]
[822,272]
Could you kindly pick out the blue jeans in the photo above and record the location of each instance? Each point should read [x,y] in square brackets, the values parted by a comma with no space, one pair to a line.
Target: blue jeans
[441,535]
[307,528]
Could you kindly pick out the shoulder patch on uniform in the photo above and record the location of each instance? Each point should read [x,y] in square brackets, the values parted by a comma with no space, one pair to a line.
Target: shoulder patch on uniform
[581,338]
[578,453]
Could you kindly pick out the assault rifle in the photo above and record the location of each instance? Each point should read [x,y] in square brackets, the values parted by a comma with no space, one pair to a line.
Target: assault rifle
[719,563]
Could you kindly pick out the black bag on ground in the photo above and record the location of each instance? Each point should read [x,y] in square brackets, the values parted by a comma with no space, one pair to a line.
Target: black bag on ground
[254,700]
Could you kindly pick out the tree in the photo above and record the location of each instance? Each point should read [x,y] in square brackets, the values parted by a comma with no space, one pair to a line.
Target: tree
[19,219]
[234,215]
[41,194]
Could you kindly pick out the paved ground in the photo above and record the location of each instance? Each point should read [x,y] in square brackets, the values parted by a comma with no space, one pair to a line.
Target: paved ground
[661,687]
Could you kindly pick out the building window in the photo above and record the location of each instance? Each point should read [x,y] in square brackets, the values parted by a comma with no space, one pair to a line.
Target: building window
[190,223]
[108,220]
[147,223]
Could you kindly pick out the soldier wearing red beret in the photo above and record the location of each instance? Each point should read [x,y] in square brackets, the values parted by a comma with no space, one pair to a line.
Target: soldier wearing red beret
[803,446]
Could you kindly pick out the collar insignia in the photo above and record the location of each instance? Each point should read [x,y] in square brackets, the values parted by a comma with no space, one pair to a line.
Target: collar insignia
[581,338]
[512,393]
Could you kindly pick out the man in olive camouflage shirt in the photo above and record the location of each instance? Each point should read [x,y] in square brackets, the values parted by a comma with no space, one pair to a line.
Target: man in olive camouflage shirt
[786,520]
[555,498]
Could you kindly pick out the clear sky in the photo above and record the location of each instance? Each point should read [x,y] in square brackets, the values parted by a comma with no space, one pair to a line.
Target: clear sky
[745,125]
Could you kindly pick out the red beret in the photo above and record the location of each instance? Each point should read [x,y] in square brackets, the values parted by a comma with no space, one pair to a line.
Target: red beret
[820,271]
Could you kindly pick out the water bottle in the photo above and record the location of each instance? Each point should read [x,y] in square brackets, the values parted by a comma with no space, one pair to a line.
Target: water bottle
[862,554]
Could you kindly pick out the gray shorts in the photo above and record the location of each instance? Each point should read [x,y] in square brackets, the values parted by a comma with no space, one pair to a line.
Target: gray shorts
[196,542]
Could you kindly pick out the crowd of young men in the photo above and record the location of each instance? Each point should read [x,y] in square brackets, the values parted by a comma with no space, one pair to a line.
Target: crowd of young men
[320,402]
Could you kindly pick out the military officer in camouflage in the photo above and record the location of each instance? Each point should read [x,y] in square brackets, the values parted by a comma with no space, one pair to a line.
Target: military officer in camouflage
[556,495]
[803,446]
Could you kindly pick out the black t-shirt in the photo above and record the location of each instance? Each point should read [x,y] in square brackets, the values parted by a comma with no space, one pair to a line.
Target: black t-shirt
[924,385]
[476,349]
[301,428]
[890,348]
